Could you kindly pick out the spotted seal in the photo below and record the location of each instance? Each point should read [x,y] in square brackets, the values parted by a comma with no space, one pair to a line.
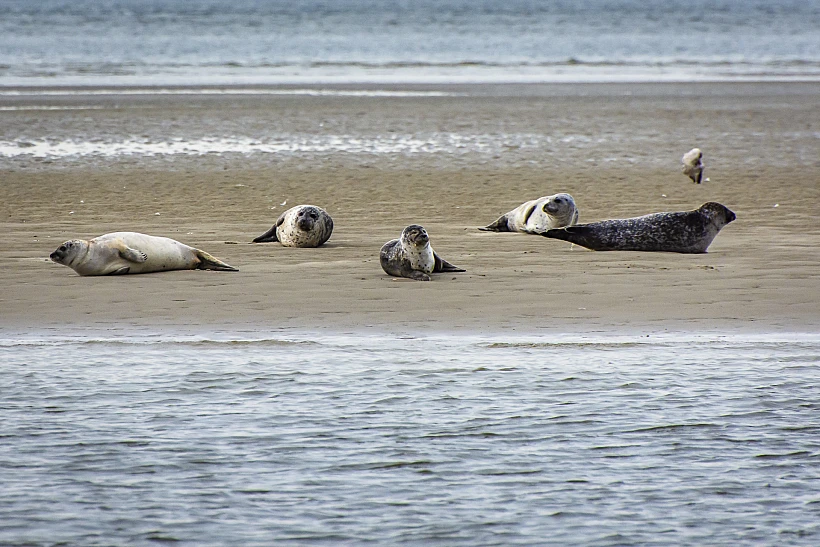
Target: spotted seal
[693,165]
[683,232]
[300,226]
[538,215]
[133,253]
[412,256]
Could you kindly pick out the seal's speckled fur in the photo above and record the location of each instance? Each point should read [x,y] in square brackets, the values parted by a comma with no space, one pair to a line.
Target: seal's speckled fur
[300,226]
[412,256]
[684,232]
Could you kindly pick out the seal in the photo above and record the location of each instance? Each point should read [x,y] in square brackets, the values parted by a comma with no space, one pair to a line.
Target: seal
[133,253]
[412,256]
[538,215]
[300,226]
[683,232]
[693,165]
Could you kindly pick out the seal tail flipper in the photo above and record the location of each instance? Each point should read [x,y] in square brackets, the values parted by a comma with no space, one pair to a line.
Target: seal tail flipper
[208,262]
[442,265]
[499,225]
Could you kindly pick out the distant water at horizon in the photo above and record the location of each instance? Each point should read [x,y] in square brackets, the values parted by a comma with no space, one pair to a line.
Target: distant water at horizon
[244,42]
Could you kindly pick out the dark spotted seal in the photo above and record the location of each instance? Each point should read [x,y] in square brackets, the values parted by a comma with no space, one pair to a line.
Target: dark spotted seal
[133,253]
[684,232]
[538,215]
[693,165]
[300,226]
[412,256]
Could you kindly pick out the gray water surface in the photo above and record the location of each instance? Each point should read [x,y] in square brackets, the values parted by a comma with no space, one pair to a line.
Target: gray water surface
[690,439]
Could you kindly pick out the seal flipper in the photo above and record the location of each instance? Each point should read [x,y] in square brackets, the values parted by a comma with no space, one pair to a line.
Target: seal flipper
[132,255]
[581,235]
[500,225]
[270,235]
[442,265]
[418,276]
[208,262]
[122,271]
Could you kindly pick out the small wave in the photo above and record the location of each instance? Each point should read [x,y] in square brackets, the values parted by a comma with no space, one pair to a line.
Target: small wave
[47,108]
[125,91]
[326,72]
[151,341]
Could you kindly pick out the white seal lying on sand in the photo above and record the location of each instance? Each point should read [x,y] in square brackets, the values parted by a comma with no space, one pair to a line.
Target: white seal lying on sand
[300,226]
[538,215]
[132,252]
[685,232]
[693,164]
[412,256]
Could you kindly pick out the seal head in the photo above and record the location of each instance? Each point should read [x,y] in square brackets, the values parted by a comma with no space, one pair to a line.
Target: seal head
[69,252]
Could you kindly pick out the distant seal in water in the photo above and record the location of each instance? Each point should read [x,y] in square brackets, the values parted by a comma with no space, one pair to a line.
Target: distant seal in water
[412,256]
[693,165]
[133,253]
[684,232]
[300,226]
[538,215]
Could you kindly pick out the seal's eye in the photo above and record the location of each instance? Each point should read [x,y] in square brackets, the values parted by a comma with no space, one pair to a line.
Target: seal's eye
[62,248]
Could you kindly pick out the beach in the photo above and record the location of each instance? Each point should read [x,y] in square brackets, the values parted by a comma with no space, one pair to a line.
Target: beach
[452,158]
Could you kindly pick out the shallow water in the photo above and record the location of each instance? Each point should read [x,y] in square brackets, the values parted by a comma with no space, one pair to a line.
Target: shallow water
[218,438]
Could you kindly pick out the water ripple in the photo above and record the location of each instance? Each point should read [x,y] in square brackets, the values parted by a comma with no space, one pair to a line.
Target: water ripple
[488,440]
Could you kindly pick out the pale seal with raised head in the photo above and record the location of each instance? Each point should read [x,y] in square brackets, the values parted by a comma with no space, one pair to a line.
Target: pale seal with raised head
[683,232]
[412,256]
[133,253]
[538,215]
[300,226]
[693,165]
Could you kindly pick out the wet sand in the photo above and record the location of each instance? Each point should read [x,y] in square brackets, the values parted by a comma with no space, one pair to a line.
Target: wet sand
[761,273]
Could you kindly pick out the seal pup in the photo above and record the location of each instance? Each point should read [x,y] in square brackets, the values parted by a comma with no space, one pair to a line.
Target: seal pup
[693,165]
[538,215]
[133,253]
[684,232]
[300,226]
[412,256]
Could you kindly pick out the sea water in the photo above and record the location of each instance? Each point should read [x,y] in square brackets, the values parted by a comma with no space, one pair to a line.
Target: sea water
[219,438]
[161,42]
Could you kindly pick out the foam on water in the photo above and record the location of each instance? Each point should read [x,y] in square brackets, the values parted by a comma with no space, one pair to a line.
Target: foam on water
[453,143]
[126,91]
